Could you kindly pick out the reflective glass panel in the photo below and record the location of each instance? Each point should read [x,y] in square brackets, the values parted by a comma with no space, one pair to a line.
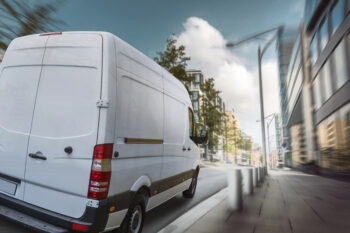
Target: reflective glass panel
[327,80]
[314,50]
[323,34]
[316,92]
[340,67]
[337,15]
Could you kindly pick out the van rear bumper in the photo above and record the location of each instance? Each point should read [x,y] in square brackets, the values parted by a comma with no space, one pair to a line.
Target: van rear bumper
[42,220]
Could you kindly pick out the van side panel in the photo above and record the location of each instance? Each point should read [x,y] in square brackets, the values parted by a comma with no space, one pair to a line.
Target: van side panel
[139,133]
[174,137]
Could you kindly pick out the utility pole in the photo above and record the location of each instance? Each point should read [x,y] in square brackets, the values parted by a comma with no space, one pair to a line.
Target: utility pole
[261,52]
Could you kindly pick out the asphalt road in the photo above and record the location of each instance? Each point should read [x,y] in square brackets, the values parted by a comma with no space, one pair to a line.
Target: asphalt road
[211,180]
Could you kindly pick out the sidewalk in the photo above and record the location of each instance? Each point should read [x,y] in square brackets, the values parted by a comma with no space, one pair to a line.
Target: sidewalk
[287,201]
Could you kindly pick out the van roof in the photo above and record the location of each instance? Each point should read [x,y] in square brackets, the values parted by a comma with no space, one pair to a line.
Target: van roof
[157,68]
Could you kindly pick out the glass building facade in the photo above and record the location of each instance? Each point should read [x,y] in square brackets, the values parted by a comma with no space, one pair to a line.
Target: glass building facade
[317,88]
[328,26]
[285,42]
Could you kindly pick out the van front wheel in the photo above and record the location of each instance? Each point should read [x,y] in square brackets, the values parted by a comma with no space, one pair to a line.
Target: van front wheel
[134,219]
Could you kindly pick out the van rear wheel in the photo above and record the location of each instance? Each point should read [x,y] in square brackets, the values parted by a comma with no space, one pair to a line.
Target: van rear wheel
[189,193]
[135,216]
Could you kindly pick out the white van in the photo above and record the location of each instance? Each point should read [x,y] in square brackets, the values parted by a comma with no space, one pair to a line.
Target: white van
[92,134]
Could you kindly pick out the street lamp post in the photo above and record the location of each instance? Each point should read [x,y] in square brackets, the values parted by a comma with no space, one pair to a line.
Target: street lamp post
[260,55]
[268,136]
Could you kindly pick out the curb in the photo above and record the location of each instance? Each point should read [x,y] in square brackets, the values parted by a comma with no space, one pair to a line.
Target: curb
[184,222]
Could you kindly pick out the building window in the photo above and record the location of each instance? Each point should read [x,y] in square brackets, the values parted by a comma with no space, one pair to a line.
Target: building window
[340,67]
[345,125]
[316,91]
[337,15]
[195,106]
[310,8]
[196,118]
[327,80]
[197,78]
[323,36]
[196,86]
[195,95]
[314,49]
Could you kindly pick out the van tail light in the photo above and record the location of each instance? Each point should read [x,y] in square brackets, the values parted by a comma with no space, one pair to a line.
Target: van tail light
[79,227]
[100,172]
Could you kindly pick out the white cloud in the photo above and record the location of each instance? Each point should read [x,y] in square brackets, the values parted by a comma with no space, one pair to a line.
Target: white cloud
[239,86]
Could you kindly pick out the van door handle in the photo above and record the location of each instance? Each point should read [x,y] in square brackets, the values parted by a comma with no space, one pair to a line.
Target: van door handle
[37,155]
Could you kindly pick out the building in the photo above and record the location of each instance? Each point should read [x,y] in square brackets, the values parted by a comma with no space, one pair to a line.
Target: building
[256,157]
[221,150]
[285,42]
[298,110]
[197,96]
[279,139]
[317,87]
[195,91]
[299,156]
[327,25]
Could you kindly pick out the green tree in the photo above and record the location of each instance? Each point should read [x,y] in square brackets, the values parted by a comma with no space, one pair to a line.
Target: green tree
[20,19]
[211,115]
[232,138]
[174,60]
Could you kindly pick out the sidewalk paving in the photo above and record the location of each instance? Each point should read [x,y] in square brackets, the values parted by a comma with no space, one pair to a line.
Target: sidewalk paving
[287,201]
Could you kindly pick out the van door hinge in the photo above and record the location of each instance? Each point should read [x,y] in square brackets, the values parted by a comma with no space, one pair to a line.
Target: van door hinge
[102,104]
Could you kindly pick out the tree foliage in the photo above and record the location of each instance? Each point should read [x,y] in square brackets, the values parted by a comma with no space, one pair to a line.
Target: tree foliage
[174,60]
[211,114]
[20,19]
[233,137]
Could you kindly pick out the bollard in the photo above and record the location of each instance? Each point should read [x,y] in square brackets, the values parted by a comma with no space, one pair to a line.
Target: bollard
[262,175]
[254,177]
[247,174]
[234,187]
[257,175]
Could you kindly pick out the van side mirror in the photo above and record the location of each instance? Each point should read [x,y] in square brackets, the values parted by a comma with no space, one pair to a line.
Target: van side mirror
[202,138]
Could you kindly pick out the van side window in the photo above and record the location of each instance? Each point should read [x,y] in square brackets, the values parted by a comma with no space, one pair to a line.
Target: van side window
[191,123]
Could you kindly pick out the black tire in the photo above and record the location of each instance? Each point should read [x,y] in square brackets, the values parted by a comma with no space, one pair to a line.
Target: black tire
[135,216]
[189,193]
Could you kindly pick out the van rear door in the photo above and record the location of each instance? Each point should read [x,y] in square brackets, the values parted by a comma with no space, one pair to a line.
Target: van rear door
[65,123]
[19,79]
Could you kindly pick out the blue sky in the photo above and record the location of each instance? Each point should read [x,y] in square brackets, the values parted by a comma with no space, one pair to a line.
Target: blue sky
[204,27]
[146,24]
